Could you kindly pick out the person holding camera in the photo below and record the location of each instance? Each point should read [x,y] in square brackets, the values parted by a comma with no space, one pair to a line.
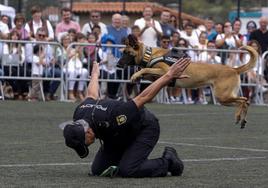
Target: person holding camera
[127,131]
[227,40]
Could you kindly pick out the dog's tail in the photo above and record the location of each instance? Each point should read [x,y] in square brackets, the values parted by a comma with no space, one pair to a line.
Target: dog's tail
[252,61]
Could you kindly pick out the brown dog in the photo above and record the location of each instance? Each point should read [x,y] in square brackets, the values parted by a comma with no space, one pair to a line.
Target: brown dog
[224,80]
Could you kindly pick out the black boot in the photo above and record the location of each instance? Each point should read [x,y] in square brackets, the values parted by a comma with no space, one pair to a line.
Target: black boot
[175,165]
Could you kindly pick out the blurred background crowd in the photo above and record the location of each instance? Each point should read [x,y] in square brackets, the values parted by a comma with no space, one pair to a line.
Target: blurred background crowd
[40,58]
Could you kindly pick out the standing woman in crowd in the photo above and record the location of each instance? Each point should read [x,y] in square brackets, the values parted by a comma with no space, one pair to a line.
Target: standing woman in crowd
[63,53]
[74,69]
[15,52]
[227,40]
[19,22]
[173,21]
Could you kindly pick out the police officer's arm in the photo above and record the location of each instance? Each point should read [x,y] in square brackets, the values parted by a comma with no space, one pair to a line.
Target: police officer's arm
[175,71]
[93,86]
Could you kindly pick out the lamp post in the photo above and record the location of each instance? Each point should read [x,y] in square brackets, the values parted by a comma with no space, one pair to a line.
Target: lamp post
[19,6]
[71,5]
[238,8]
[179,13]
[123,7]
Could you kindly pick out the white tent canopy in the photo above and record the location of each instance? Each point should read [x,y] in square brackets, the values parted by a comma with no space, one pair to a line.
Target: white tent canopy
[9,11]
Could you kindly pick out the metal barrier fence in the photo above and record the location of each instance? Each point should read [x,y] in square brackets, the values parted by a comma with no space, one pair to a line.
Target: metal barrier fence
[83,54]
[19,64]
[110,75]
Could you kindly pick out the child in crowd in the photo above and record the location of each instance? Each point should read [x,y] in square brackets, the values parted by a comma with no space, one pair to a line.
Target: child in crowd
[37,71]
[108,67]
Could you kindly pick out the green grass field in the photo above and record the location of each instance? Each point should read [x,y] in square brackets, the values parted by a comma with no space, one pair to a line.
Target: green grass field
[216,152]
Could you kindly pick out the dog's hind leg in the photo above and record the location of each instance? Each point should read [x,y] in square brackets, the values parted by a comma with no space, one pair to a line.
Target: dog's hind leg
[244,114]
[242,107]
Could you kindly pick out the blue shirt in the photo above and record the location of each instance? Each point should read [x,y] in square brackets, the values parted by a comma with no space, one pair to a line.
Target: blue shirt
[167,29]
[118,34]
[212,35]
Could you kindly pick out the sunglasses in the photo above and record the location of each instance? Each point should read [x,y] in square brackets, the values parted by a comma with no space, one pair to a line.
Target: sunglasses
[40,35]
[165,41]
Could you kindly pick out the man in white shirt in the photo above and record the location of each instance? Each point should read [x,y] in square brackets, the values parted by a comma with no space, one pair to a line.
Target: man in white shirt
[37,22]
[95,17]
[150,29]
[191,35]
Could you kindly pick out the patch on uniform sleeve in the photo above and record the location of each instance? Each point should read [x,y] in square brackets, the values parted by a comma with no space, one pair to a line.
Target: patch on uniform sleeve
[121,119]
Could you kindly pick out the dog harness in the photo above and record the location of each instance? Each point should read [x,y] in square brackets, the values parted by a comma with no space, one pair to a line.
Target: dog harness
[170,58]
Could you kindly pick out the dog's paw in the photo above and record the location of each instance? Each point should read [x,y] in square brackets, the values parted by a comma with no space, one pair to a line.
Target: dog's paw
[243,124]
[134,78]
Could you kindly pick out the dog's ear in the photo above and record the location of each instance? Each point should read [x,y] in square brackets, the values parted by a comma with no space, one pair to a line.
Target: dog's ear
[133,41]
[125,41]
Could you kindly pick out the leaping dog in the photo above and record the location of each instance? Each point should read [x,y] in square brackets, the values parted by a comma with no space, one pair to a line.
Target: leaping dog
[224,80]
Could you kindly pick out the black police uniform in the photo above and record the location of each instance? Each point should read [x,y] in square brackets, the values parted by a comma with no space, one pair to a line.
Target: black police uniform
[129,135]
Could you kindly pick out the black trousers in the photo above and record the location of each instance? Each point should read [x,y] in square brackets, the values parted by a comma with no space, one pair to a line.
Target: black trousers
[133,161]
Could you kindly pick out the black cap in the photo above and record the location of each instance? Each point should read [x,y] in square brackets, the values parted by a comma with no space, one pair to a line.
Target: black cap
[74,135]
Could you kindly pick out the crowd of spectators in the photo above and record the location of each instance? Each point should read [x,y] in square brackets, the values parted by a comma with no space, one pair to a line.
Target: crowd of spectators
[44,60]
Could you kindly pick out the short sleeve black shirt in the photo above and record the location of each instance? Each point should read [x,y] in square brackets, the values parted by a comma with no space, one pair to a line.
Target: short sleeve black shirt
[115,122]
[261,37]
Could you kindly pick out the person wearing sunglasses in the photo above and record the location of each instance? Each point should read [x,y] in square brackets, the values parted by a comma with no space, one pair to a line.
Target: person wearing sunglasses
[94,20]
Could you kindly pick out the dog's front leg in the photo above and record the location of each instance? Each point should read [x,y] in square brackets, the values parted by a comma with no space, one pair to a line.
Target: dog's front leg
[153,71]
